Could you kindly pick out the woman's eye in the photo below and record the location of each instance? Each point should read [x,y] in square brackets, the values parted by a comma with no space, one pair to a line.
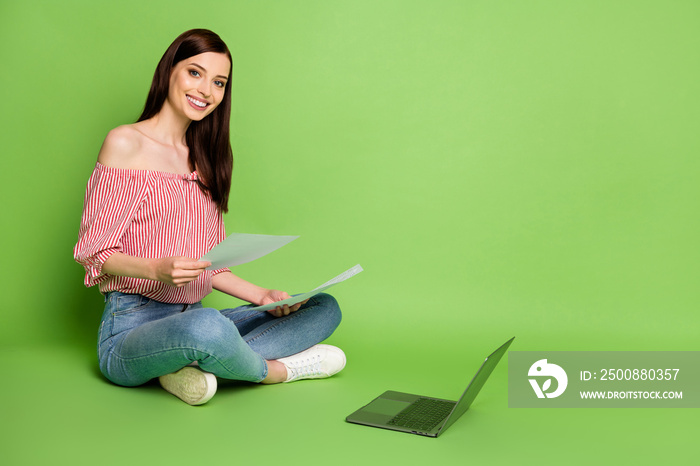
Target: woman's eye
[194,73]
[219,83]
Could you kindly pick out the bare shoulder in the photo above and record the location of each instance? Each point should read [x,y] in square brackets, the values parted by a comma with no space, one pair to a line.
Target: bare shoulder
[122,147]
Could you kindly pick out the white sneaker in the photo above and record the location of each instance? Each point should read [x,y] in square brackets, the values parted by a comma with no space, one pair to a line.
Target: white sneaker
[317,362]
[190,384]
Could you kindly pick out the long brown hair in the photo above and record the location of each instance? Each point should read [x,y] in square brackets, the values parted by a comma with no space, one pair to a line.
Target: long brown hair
[208,140]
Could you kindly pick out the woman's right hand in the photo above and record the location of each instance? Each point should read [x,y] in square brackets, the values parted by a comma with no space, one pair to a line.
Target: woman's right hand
[178,271]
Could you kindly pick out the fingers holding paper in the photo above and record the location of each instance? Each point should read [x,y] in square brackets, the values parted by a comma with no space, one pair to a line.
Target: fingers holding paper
[274,296]
[179,271]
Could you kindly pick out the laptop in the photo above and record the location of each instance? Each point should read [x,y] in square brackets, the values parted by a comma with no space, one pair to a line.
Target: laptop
[424,415]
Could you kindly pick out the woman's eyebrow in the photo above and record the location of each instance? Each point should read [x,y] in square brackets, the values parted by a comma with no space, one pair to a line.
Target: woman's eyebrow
[205,70]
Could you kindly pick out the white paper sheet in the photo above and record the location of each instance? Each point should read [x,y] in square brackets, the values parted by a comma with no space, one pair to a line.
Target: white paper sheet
[240,248]
[301,297]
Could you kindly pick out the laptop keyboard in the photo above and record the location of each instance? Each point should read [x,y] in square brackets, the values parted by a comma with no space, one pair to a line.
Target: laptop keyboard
[423,415]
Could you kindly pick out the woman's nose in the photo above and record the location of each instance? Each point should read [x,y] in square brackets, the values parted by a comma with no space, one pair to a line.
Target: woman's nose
[204,90]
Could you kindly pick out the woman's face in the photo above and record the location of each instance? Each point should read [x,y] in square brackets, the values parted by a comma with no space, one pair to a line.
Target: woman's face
[197,84]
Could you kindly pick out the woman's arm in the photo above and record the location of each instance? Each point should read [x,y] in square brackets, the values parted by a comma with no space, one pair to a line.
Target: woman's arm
[178,271]
[173,271]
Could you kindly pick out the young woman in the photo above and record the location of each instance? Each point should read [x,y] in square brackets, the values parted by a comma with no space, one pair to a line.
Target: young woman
[153,206]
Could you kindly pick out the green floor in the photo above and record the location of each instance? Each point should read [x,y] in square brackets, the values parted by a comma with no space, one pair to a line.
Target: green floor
[68,414]
[498,168]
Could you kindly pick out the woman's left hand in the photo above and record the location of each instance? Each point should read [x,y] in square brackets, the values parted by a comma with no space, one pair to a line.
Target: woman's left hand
[272,296]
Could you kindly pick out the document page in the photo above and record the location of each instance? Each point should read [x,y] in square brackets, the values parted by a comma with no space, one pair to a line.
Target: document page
[240,248]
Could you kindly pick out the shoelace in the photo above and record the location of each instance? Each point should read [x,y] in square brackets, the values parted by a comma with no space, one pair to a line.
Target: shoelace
[304,368]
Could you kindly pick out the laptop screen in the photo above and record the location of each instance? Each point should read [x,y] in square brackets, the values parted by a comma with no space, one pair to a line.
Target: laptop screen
[476,383]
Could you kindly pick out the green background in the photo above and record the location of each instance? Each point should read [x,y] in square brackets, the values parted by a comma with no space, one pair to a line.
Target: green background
[498,168]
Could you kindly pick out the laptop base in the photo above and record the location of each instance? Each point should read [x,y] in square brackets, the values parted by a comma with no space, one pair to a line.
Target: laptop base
[386,406]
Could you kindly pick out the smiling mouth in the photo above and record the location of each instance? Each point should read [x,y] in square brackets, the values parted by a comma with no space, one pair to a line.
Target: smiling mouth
[199,104]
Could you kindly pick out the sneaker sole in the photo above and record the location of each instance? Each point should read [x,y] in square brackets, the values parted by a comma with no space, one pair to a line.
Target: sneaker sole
[191,385]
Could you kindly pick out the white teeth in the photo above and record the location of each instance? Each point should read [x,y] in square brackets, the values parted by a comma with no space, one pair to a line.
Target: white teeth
[198,103]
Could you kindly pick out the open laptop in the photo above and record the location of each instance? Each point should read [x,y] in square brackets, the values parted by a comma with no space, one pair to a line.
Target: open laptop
[424,415]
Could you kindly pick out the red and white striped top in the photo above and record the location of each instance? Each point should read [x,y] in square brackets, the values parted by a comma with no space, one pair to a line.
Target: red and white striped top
[147,214]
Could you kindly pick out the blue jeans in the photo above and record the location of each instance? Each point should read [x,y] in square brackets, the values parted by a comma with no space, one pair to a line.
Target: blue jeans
[141,338]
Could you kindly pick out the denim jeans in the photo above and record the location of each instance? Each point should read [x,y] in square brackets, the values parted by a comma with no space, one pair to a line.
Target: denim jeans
[140,338]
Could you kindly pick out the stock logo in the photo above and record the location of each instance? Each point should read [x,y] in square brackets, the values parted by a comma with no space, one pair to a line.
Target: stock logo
[542,368]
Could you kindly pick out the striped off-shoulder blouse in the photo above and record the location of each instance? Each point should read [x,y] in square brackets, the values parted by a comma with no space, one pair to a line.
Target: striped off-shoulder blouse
[147,214]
